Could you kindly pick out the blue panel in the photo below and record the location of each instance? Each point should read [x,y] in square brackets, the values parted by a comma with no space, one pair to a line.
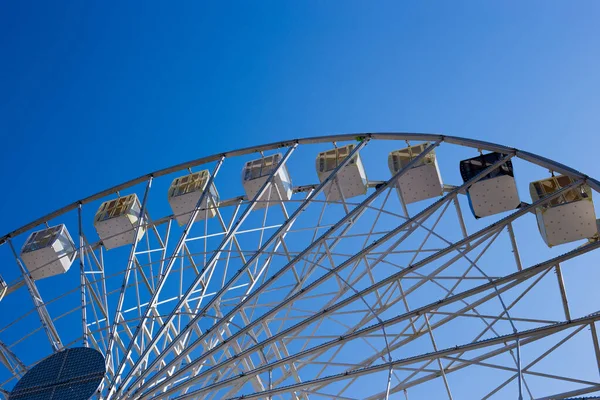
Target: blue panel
[72,374]
[471,205]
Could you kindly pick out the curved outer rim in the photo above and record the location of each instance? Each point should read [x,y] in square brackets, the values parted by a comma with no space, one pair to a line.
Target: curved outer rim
[524,155]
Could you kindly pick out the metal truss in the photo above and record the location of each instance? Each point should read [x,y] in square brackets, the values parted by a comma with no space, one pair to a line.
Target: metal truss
[360,298]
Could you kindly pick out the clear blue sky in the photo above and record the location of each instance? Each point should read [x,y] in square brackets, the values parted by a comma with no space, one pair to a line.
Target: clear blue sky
[93,95]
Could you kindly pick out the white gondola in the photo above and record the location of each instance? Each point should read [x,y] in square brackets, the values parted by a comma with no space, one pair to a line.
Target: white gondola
[494,193]
[352,179]
[567,218]
[255,173]
[185,193]
[116,221]
[48,252]
[422,181]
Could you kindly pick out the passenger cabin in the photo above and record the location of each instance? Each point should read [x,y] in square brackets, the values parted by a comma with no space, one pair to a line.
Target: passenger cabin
[116,221]
[254,175]
[494,193]
[568,217]
[352,179]
[185,193]
[423,180]
[48,252]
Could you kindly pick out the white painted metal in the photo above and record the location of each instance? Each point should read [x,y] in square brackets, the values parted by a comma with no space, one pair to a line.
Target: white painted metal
[567,222]
[352,178]
[116,219]
[570,217]
[185,192]
[494,196]
[421,182]
[317,296]
[48,252]
[495,193]
[46,322]
[256,172]
[3,288]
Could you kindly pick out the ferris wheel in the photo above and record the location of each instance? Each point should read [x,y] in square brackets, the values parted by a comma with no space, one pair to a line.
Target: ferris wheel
[358,266]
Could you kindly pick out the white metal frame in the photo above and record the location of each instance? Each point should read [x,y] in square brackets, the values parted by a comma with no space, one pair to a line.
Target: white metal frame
[290,301]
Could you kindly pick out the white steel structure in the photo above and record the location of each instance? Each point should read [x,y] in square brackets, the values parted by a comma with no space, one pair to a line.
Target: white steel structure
[115,222]
[185,192]
[322,290]
[257,172]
